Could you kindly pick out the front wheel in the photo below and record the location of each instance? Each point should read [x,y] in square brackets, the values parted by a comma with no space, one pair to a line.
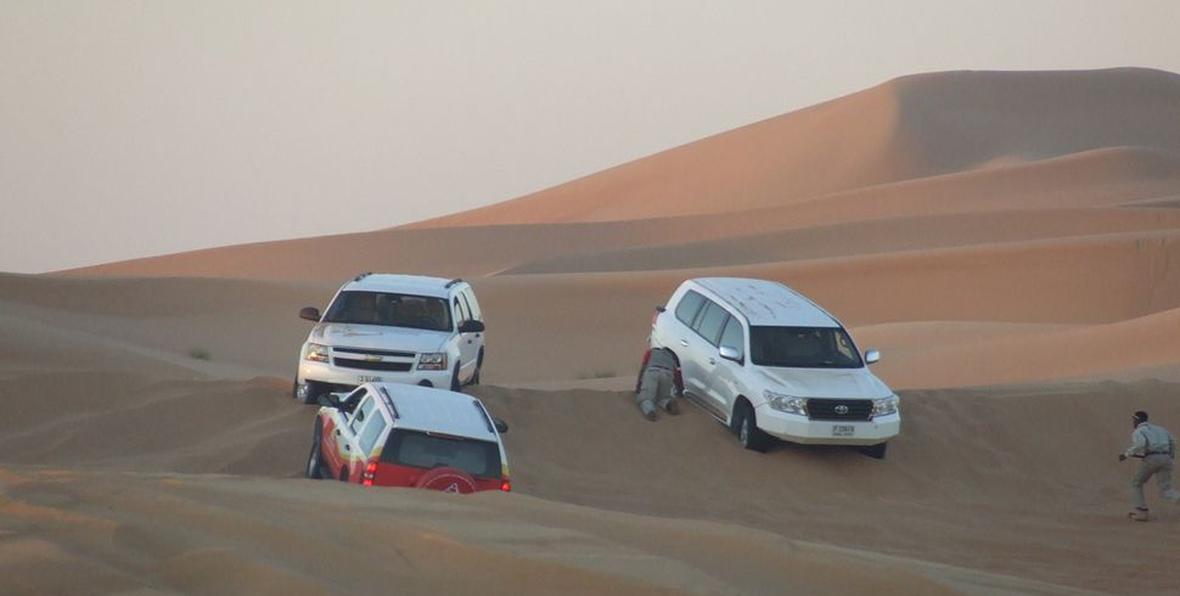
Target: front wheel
[750,436]
[315,463]
[874,451]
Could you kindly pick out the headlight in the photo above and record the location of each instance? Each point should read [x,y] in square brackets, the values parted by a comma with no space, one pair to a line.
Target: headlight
[432,361]
[786,403]
[316,353]
[885,406]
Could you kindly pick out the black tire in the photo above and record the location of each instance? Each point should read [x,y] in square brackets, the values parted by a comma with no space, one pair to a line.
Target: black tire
[314,391]
[456,386]
[478,368]
[875,451]
[749,435]
[315,459]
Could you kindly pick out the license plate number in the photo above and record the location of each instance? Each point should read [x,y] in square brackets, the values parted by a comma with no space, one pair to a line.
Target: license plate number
[365,379]
[843,430]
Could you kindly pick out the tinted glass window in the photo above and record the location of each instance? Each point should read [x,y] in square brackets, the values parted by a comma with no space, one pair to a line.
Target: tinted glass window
[393,310]
[461,312]
[710,322]
[803,347]
[422,450]
[732,336]
[472,304]
[362,413]
[686,311]
[372,430]
[472,315]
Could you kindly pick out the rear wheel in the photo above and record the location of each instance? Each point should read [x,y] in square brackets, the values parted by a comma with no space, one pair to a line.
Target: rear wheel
[750,436]
[875,451]
[315,463]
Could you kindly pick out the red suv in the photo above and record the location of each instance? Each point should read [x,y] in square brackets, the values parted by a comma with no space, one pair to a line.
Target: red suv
[388,434]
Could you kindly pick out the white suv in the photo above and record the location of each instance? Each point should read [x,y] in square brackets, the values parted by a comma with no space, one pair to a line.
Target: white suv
[768,362]
[392,328]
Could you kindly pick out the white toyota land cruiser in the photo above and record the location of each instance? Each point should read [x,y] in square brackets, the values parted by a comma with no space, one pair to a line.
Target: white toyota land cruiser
[768,362]
[392,328]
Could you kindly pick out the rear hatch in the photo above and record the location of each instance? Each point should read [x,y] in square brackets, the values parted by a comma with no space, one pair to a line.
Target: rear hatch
[409,454]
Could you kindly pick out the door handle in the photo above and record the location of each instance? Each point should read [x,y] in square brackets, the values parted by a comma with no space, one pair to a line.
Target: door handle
[684,342]
[337,432]
[347,447]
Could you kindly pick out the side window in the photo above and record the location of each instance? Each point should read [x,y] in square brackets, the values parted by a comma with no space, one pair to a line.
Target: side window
[471,316]
[363,412]
[461,314]
[710,322]
[733,336]
[371,432]
[350,402]
[689,306]
[473,304]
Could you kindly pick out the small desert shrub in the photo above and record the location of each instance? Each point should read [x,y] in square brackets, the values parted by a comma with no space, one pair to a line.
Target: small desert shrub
[200,354]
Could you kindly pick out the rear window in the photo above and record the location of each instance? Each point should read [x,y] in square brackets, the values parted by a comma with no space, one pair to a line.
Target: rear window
[686,311]
[424,450]
[710,322]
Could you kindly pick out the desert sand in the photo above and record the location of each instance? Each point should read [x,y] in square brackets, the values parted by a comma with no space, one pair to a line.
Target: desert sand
[1008,240]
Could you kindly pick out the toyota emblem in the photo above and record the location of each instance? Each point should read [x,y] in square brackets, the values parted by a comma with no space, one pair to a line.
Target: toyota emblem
[841,409]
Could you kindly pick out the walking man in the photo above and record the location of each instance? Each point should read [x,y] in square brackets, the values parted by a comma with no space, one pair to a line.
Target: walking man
[1156,447]
[659,383]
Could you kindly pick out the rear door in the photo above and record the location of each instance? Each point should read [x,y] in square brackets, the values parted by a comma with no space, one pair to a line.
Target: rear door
[703,351]
[675,332]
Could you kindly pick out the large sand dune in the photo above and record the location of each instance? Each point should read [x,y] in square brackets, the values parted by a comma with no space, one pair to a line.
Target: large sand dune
[1009,240]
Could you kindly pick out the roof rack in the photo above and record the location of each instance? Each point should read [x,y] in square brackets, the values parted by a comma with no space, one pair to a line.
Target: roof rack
[453,282]
[389,401]
[362,276]
[486,417]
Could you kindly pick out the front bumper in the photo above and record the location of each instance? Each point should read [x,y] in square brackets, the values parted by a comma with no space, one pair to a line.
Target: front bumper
[322,372]
[800,429]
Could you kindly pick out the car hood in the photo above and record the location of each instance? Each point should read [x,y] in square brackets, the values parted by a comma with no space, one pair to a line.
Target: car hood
[378,337]
[851,383]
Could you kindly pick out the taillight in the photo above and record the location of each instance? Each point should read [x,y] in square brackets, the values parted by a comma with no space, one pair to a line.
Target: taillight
[506,486]
[370,474]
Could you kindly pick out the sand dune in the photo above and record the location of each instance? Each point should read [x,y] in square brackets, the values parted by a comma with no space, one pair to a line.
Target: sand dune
[909,128]
[983,229]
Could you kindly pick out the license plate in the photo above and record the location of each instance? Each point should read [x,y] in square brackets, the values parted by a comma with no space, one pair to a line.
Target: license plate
[843,430]
[364,379]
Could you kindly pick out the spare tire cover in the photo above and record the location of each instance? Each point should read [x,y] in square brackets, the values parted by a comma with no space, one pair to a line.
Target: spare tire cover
[447,480]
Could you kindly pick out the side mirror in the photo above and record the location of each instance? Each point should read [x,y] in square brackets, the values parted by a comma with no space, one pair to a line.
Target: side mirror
[730,353]
[872,356]
[501,426]
[330,400]
[661,308]
[472,327]
[310,313]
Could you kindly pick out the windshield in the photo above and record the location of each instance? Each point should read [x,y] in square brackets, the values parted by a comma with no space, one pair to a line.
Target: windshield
[423,450]
[803,347]
[394,310]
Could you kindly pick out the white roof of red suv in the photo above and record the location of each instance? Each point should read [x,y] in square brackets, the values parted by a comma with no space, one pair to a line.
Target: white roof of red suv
[435,410]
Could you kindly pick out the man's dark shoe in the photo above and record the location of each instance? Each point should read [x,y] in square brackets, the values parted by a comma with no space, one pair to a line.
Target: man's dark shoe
[672,407]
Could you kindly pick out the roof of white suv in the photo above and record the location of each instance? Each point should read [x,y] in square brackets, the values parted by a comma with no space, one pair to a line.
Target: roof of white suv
[765,302]
[419,285]
[437,410]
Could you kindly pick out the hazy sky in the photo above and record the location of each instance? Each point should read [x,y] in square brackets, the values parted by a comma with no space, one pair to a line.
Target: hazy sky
[136,128]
